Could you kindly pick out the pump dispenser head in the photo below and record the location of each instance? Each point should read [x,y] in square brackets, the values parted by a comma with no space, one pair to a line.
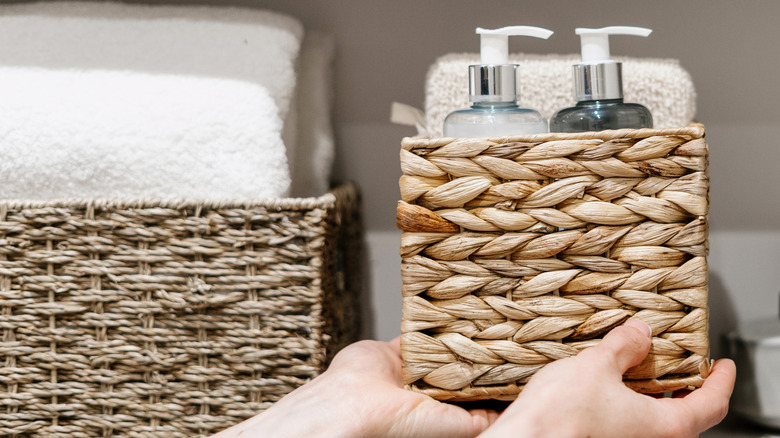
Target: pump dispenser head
[495,80]
[598,77]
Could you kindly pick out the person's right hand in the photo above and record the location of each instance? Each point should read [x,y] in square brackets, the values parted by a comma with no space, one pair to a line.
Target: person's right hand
[584,396]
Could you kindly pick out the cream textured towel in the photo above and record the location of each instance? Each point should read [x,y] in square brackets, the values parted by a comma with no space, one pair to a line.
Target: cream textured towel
[546,84]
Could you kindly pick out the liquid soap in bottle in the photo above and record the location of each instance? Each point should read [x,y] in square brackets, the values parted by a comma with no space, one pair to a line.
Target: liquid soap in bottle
[598,88]
[493,91]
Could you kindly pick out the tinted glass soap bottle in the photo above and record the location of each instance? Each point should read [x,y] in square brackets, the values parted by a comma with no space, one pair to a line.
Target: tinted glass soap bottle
[598,88]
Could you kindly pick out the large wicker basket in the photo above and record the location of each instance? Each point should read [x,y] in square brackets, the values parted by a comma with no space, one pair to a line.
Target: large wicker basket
[520,251]
[169,319]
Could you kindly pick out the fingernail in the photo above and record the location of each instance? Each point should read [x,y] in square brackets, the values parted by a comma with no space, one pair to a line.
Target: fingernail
[640,325]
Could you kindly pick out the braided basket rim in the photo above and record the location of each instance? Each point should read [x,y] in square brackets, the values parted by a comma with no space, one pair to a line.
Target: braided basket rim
[341,193]
[694,130]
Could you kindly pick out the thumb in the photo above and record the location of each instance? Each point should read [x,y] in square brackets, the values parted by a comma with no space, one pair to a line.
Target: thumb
[434,419]
[627,345]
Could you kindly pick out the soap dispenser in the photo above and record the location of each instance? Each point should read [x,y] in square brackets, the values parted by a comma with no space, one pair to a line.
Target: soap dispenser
[493,91]
[598,88]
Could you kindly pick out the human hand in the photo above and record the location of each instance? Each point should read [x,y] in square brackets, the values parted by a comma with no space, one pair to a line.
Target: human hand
[584,396]
[361,395]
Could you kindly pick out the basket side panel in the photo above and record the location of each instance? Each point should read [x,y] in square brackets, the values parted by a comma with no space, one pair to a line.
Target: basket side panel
[343,293]
[156,321]
[518,252]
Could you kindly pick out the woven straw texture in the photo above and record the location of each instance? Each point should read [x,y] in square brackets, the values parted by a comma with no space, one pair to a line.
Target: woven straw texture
[169,319]
[520,251]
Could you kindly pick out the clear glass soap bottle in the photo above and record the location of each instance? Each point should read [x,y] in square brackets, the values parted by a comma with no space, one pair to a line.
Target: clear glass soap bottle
[494,119]
[598,88]
[493,91]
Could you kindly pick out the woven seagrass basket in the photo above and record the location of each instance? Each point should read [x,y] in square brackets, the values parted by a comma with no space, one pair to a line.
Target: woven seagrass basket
[519,251]
[169,319]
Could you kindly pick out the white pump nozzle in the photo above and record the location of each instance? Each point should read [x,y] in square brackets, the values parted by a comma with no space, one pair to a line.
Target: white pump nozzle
[494,43]
[595,42]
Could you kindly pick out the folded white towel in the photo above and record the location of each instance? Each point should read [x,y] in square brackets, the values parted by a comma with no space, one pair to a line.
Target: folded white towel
[196,137]
[546,84]
[230,45]
[254,45]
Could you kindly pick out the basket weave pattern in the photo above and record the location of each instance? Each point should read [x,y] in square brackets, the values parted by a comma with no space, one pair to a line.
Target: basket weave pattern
[520,251]
[169,319]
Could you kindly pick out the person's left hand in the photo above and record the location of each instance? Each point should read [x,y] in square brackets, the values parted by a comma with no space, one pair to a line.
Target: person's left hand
[361,394]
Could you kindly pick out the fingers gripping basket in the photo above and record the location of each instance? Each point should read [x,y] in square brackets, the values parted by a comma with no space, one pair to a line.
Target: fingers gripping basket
[520,251]
[169,319]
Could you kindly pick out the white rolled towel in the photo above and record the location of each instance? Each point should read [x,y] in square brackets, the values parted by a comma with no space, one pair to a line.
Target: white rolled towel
[141,79]
[197,138]
[546,84]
